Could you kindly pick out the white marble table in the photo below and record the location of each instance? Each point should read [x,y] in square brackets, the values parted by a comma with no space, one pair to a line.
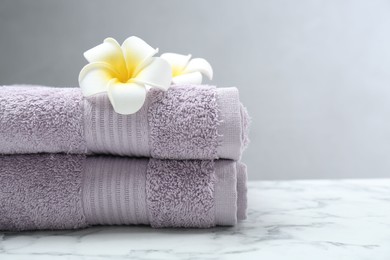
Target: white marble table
[348,219]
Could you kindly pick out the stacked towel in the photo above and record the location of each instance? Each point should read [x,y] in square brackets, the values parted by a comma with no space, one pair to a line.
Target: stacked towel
[185,122]
[70,162]
[58,191]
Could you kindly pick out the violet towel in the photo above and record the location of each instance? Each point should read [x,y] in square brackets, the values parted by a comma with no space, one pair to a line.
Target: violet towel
[59,191]
[185,122]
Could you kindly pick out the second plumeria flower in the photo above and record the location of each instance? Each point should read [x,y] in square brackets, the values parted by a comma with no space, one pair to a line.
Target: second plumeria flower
[124,71]
[186,70]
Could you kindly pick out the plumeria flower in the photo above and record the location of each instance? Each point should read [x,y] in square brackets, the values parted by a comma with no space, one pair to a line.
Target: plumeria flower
[186,70]
[124,71]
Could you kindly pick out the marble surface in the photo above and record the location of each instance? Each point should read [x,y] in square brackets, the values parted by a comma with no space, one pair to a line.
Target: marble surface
[340,219]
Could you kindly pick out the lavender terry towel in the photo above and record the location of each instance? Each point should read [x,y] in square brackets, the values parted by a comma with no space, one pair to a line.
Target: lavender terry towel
[59,191]
[185,122]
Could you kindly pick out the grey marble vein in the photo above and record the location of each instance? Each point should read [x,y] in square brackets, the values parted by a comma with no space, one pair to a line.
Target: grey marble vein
[340,219]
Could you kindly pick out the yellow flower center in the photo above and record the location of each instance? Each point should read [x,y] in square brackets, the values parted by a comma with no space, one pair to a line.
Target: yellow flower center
[176,71]
[123,74]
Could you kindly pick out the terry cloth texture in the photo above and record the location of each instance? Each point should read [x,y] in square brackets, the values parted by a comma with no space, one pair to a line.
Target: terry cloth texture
[41,192]
[58,191]
[185,122]
[181,193]
[41,119]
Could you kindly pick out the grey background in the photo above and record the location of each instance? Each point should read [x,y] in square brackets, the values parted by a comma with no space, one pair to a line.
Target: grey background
[314,75]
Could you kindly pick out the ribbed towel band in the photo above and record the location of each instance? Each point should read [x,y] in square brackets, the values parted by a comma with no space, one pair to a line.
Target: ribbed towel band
[242,198]
[225,193]
[108,132]
[114,191]
[230,123]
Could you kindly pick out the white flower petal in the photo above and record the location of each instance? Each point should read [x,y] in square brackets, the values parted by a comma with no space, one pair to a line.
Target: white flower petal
[126,98]
[189,78]
[156,74]
[109,52]
[178,62]
[200,65]
[137,53]
[94,78]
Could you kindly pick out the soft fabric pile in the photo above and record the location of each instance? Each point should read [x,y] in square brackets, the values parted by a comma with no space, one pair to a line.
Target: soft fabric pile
[68,161]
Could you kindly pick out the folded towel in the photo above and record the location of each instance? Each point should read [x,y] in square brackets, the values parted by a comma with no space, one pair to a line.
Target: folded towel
[185,122]
[59,191]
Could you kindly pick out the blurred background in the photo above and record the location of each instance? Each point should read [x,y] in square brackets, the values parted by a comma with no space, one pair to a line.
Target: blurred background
[314,75]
